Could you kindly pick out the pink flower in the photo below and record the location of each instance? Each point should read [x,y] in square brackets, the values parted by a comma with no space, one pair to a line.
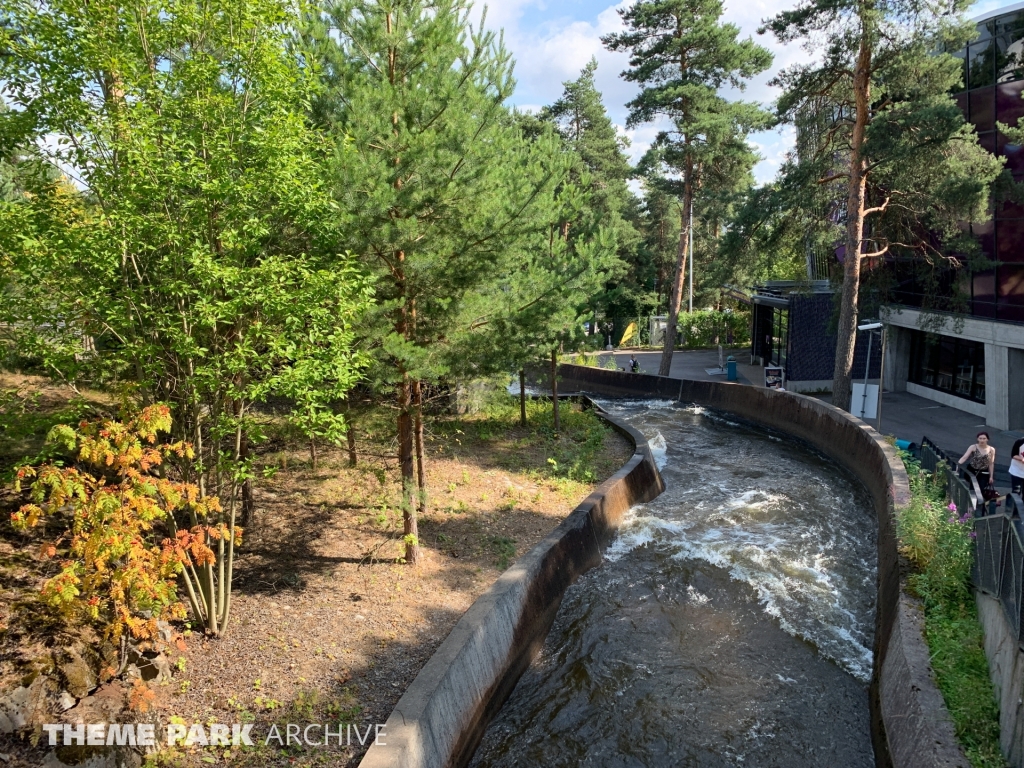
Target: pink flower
[951,520]
[951,507]
[973,535]
[966,517]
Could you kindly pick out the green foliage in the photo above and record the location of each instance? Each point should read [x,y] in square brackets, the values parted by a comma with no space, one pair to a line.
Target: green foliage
[199,258]
[704,327]
[462,219]
[881,145]
[24,424]
[682,56]
[572,450]
[582,121]
[505,549]
[936,540]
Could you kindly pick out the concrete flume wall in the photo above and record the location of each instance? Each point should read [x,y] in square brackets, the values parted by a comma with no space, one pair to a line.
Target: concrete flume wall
[440,719]
[910,723]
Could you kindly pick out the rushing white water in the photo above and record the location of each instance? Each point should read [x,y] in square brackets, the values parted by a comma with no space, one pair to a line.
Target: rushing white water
[730,624]
[773,515]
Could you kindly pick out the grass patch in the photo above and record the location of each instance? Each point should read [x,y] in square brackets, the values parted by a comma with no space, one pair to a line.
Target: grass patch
[505,549]
[570,453]
[936,539]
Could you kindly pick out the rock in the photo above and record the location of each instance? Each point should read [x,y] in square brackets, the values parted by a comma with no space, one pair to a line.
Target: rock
[78,673]
[158,668]
[25,707]
[66,701]
[165,631]
[151,665]
[110,661]
[104,706]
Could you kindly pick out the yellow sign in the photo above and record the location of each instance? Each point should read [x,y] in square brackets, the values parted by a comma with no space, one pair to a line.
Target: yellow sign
[629,335]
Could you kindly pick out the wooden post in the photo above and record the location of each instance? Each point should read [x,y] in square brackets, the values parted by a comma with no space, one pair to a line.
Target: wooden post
[554,386]
[522,397]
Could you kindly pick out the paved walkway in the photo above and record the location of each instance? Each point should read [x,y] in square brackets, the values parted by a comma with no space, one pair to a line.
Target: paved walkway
[906,416]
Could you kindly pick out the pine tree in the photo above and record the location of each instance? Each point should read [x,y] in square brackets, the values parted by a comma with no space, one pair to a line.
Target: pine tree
[878,120]
[681,54]
[439,186]
[583,123]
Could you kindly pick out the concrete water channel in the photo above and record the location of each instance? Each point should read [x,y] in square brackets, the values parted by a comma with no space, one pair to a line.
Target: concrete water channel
[731,622]
[754,613]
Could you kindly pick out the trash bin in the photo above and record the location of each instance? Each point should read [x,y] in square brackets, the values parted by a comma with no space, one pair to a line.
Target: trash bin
[730,367]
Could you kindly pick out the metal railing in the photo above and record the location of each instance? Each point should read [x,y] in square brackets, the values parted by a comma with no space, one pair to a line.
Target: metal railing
[961,486]
[998,568]
[999,560]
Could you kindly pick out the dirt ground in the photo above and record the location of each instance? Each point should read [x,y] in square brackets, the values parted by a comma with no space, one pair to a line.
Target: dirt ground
[328,626]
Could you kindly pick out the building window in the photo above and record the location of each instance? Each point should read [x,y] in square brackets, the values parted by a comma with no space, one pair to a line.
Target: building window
[780,336]
[948,364]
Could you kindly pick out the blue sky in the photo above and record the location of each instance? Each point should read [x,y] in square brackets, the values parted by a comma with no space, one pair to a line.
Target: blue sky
[553,39]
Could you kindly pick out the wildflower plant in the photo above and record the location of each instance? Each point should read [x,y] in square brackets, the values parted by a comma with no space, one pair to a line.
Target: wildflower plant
[936,538]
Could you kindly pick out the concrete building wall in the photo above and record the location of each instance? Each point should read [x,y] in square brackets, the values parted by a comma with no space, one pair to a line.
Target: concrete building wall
[897,359]
[1006,669]
[1004,363]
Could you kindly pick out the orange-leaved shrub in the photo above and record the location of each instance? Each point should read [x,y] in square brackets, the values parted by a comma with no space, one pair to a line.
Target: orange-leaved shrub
[122,553]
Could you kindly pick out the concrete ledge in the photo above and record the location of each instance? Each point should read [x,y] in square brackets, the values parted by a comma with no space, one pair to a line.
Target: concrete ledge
[910,724]
[442,716]
[1006,670]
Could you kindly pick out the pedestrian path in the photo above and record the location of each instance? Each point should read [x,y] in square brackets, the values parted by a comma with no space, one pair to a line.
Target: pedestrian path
[906,416]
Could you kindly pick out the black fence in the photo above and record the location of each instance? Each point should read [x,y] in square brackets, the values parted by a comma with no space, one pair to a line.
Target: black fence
[998,568]
[961,485]
[999,560]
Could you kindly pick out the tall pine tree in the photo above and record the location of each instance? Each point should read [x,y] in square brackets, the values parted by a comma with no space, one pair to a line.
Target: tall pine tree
[583,122]
[879,120]
[682,55]
[438,185]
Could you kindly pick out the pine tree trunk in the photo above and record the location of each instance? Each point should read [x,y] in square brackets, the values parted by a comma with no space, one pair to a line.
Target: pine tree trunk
[522,397]
[676,296]
[405,462]
[847,331]
[554,387]
[421,477]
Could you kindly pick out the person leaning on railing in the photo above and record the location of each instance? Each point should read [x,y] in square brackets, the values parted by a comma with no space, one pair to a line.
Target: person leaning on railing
[981,462]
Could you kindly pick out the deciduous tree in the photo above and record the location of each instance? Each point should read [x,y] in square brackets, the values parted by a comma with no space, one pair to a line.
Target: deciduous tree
[197,257]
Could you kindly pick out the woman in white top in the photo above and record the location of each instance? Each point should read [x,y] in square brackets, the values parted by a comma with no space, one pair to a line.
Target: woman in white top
[1017,469]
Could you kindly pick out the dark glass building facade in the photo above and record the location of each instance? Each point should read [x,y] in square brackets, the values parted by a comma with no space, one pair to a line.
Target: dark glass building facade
[993,72]
[948,364]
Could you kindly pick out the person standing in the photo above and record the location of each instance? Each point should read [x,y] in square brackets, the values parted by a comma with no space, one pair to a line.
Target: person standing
[1017,468]
[981,461]
[634,364]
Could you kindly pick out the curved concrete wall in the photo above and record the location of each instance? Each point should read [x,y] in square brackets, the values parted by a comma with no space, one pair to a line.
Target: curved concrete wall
[440,719]
[910,724]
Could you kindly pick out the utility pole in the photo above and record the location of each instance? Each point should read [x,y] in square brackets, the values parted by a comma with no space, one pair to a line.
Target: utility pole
[690,250]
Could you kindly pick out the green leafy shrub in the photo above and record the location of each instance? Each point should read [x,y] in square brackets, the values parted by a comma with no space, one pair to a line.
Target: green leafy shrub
[700,328]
